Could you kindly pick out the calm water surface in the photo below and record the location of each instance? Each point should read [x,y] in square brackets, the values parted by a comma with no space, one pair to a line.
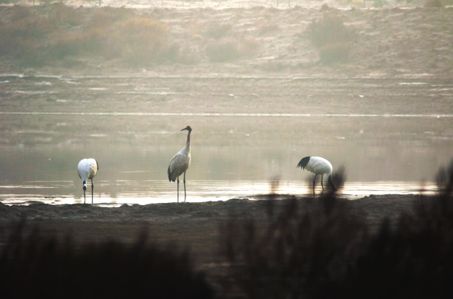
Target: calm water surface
[148,192]
[389,134]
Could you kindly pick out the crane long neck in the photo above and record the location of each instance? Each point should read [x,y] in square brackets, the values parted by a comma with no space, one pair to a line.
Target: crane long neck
[188,142]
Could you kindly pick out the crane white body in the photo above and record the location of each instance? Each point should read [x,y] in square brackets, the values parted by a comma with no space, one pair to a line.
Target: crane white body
[180,163]
[318,166]
[87,170]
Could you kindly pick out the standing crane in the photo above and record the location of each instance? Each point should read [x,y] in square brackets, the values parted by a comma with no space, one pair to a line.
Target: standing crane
[318,166]
[180,163]
[87,169]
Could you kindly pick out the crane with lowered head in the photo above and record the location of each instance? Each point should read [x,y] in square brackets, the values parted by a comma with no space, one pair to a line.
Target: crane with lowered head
[318,166]
[87,169]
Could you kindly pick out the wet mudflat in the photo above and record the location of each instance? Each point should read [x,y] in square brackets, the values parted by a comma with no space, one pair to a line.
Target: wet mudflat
[196,227]
[191,225]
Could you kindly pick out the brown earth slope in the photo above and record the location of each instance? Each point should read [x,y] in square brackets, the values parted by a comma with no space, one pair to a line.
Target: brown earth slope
[386,42]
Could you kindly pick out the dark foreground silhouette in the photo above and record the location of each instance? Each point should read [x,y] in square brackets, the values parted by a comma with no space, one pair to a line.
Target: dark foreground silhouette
[325,249]
[36,266]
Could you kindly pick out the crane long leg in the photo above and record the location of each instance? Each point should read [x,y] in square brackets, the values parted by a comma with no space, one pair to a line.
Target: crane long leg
[84,196]
[177,189]
[314,184]
[92,191]
[184,178]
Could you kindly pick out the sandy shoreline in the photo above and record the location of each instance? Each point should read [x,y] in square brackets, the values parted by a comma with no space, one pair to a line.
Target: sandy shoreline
[198,228]
[375,206]
[194,226]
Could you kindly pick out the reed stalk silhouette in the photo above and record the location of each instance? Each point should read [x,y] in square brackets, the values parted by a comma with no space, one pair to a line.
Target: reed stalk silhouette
[36,266]
[322,248]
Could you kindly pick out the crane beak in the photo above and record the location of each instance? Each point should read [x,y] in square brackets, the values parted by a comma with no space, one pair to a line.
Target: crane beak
[188,128]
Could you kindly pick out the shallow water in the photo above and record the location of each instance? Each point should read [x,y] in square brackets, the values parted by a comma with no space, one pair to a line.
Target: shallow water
[156,191]
[389,134]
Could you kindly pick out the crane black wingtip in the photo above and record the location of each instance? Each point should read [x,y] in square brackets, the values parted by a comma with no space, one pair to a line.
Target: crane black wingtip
[303,162]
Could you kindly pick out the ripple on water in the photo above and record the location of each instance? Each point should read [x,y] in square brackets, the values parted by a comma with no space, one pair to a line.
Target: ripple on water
[233,114]
[43,83]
